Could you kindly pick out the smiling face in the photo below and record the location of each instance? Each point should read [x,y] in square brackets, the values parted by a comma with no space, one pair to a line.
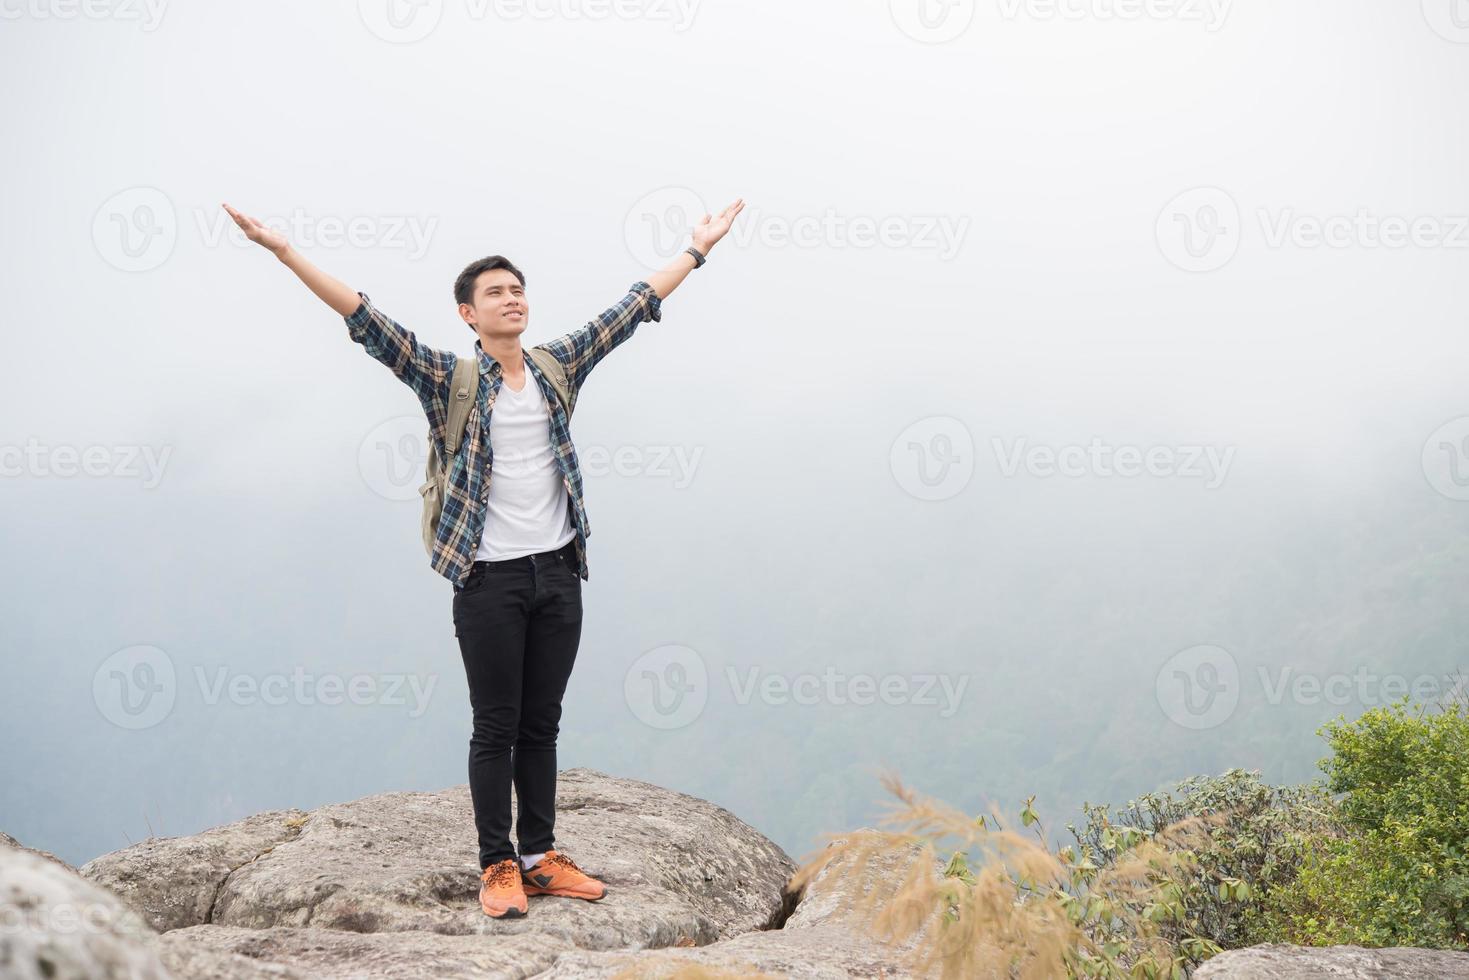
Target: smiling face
[497,307]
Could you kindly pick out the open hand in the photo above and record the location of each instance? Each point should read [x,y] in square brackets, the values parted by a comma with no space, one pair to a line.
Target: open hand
[258,233]
[712,227]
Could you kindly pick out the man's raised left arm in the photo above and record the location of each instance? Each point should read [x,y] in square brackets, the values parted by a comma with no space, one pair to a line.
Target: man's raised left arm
[584,347]
[710,229]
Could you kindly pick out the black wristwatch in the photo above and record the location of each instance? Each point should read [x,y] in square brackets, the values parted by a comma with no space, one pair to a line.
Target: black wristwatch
[699,258]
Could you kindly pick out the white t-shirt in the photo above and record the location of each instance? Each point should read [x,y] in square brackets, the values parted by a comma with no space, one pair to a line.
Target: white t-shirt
[529,508]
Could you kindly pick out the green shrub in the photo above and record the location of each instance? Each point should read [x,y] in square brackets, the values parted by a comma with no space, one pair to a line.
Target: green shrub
[1257,842]
[1399,876]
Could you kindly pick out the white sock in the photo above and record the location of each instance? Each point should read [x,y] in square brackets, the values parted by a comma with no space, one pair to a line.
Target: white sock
[527,860]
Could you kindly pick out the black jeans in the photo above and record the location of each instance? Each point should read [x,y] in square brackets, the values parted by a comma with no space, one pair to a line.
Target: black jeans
[519,625]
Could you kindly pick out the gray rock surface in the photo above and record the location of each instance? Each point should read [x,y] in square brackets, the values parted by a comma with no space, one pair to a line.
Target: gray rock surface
[6,841]
[387,887]
[56,925]
[825,938]
[329,954]
[1281,962]
[334,884]
[175,881]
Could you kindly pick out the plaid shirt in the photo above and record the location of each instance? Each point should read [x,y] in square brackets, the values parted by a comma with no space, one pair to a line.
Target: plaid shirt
[429,372]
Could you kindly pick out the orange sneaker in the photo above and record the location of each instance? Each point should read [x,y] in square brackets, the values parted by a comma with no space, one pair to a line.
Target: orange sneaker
[554,874]
[500,894]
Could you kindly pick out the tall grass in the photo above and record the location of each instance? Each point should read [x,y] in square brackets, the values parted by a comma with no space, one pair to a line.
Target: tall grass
[1004,905]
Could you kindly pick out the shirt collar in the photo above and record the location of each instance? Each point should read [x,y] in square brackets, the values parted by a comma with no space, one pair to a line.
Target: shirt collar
[488,363]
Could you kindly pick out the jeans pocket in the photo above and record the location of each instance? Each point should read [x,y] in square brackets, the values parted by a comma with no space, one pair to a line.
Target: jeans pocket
[473,581]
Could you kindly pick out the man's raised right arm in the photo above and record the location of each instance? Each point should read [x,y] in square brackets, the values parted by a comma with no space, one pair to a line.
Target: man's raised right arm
[422,368]
[332,291]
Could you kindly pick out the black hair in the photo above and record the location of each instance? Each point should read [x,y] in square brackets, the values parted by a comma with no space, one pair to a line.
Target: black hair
[464,285]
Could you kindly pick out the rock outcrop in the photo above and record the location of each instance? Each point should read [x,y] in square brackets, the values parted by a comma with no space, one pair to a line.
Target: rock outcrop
[6,841]
[59,926]
[388,886]
[682,869]
[820,940]
[1279,962]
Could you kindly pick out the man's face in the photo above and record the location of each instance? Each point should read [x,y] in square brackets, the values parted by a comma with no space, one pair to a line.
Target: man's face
[498,307]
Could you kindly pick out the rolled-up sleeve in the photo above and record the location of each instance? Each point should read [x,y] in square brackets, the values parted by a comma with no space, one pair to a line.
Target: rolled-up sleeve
[582,349]
[417,365]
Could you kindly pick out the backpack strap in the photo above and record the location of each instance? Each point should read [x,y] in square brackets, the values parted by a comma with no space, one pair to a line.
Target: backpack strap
[555,373]
[463,387]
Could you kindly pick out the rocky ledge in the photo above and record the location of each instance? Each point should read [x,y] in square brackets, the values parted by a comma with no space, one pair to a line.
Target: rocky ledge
[387,886]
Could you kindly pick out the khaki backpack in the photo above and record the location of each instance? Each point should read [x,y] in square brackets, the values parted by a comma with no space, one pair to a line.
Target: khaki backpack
[463,387]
